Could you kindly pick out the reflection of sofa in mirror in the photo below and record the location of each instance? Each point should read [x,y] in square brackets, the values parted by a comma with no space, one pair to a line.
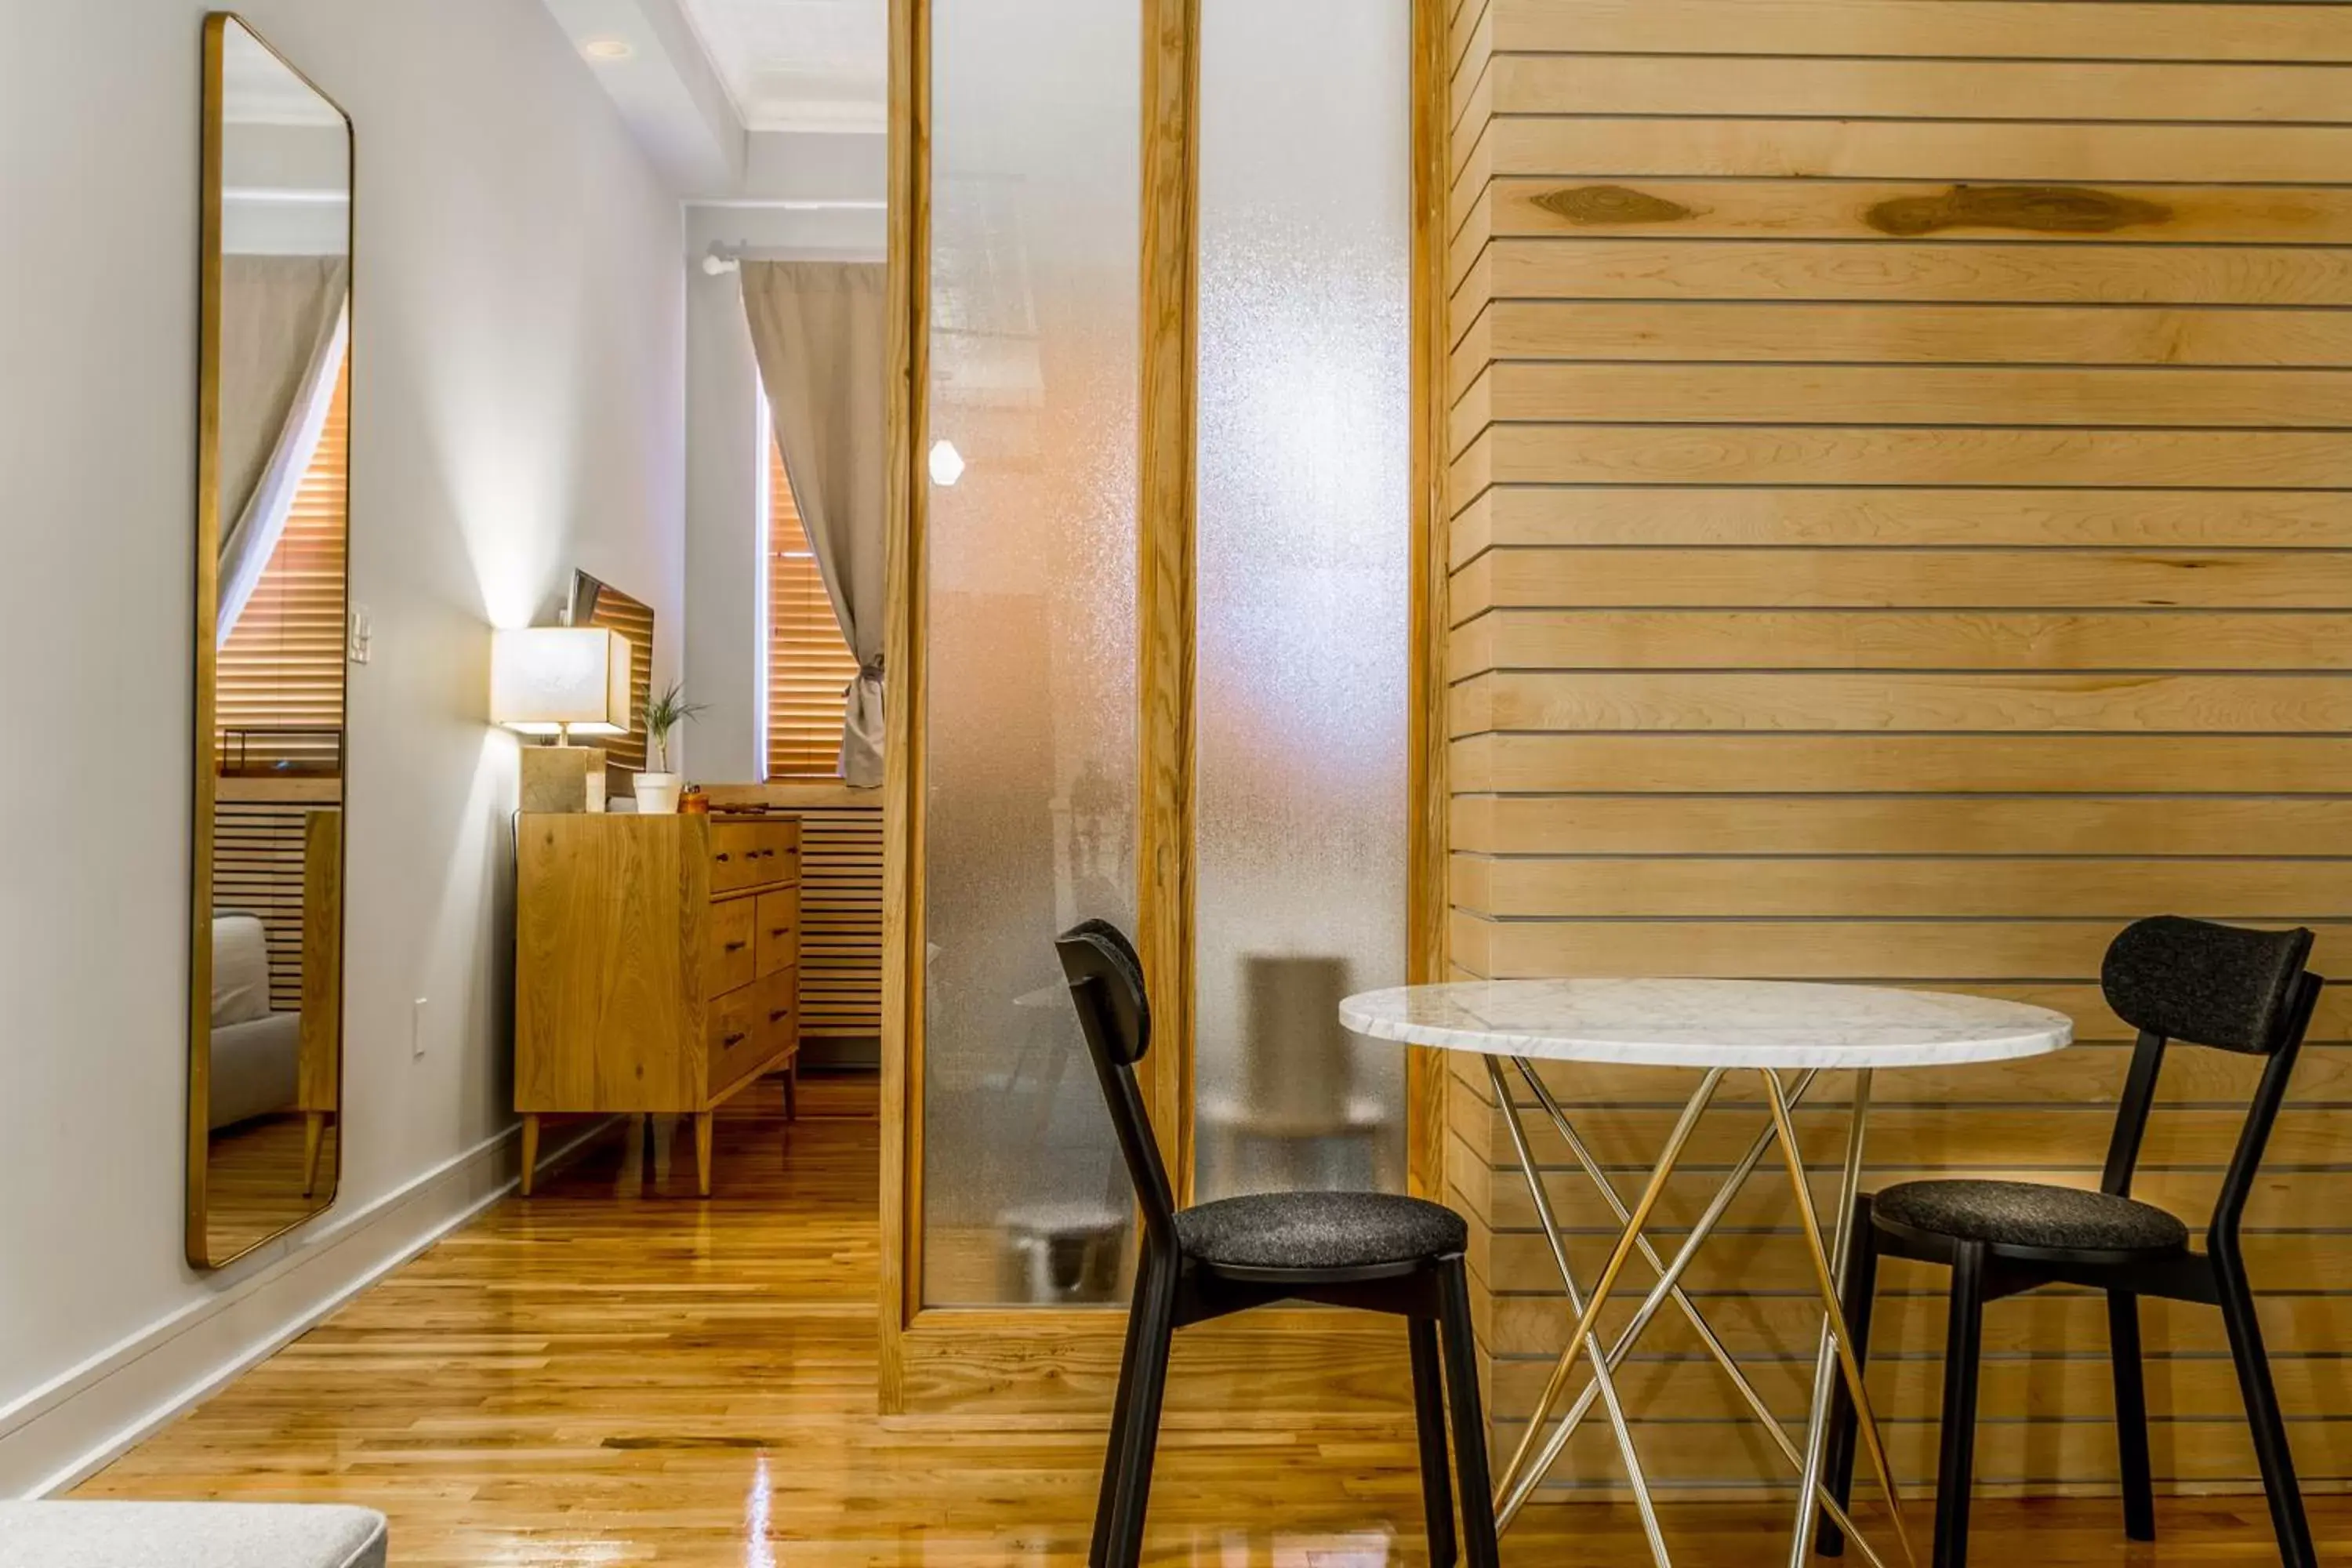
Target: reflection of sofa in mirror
[266,1060]
[254,1050]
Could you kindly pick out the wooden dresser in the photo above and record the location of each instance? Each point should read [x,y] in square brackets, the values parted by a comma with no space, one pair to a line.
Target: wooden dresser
[656,966]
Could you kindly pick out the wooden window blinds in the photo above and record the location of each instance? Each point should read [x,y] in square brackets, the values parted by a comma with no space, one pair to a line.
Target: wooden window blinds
[809,666]
[279,704]
[633,619]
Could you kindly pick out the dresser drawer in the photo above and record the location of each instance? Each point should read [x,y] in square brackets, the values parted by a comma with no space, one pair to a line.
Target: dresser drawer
[779,929]
[753,855]
[738,1037]
[731,961]
[779,1015]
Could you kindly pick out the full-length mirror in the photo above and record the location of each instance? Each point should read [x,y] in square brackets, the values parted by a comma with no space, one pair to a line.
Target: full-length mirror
[272,526]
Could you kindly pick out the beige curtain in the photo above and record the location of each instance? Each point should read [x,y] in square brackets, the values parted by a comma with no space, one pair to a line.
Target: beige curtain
[283,328]
[819,329]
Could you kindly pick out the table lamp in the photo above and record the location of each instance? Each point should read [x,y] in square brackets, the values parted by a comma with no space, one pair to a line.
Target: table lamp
[558,682]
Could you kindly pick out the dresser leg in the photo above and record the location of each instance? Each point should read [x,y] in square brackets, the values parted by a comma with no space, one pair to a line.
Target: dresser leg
[530,1149]
[702,1130]
[314,1136]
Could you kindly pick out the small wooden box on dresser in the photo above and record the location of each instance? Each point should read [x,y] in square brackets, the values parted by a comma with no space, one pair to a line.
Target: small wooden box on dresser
[656,966]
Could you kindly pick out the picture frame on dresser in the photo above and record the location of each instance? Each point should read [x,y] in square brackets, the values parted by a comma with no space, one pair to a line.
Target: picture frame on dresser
[657,968]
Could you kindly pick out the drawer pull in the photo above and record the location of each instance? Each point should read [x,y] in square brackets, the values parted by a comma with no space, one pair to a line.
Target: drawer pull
[737,946]
[780,1016]
[778,931]
[721,857]
[735,1039]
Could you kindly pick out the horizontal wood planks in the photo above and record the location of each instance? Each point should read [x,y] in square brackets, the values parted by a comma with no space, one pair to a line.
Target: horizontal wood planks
[1900,530]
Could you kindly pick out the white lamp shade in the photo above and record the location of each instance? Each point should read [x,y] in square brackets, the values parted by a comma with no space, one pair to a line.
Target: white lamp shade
[546,678]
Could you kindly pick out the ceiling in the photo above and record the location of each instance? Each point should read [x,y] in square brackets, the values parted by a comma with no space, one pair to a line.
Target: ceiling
[800,65]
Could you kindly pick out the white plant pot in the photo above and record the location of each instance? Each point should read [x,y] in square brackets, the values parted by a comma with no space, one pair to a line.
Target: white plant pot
[658,794]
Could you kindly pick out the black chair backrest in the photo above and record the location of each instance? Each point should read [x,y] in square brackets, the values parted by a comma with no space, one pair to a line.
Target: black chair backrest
[2196,983]
[1106,980]
[2206,984]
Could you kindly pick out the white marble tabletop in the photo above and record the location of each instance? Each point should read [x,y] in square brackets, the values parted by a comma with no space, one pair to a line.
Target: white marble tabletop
[1708,1023]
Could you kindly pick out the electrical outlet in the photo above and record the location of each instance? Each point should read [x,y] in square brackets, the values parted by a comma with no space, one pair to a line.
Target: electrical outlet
[416,1028]
[362,637]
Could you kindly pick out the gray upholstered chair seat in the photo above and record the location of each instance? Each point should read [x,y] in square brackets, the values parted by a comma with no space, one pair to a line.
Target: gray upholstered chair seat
[1320,1230]
[2031,1213]
[189,1535]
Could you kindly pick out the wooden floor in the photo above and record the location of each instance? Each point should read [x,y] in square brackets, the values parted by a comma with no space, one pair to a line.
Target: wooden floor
[252,1184]
[613,1373]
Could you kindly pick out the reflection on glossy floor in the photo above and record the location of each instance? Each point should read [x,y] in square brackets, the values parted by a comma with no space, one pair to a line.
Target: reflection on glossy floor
[613,1373]
[253,1184]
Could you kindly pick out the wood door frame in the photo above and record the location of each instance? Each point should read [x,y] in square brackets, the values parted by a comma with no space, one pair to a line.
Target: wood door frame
[950,1361]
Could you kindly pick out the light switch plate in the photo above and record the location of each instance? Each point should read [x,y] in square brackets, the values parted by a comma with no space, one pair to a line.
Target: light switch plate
[362,635]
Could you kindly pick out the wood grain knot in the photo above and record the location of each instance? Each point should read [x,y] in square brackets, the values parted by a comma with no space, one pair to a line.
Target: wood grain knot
[1612,205]
[2037,209]
[684,1440]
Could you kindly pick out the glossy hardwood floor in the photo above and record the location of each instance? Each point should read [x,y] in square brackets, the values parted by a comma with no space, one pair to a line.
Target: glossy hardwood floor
[614,1373]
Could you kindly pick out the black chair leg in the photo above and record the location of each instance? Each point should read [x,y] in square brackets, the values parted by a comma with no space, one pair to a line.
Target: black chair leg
[1429,1415]
[2131,1415]
[1956,1468]
[2263,1415]
[1114,1451]
[1469,1420]
[1140,1430]
[1860,1293]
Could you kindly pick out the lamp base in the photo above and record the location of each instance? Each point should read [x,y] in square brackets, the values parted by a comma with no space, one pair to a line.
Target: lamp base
[564,778]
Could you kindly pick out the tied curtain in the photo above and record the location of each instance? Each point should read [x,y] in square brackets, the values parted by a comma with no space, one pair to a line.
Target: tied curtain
[820,332]
[284,325]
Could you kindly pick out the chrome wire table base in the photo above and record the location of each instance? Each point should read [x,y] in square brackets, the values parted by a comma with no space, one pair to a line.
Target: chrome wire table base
[1539,1450]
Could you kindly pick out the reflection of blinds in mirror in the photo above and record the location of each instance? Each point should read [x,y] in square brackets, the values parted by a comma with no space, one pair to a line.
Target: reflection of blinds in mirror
[280,680]
[808,664]
[635,621]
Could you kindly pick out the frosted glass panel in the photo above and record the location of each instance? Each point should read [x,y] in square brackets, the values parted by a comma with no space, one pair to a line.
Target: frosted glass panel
[1304,551]
[1031,785]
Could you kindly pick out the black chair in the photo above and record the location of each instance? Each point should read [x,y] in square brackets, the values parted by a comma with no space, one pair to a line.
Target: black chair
[2172,980]
[1379,1251]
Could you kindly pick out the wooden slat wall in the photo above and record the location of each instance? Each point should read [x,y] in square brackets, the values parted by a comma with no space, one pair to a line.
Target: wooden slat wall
[841,922]
[1901,529]
[257,848]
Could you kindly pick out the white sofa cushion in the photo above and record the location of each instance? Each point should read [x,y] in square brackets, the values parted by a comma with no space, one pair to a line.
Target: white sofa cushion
[189,1535]
[241,970]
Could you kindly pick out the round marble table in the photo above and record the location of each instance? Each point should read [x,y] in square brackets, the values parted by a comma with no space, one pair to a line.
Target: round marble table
[1715,1028]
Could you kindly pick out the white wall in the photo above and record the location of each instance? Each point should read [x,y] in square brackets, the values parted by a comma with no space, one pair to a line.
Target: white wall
[518,410]
[840,218]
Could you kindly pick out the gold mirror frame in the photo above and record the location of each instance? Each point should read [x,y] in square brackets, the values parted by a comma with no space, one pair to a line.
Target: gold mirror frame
[325,853]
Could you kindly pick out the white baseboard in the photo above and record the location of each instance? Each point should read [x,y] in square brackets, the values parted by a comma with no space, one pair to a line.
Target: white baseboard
[87,1416]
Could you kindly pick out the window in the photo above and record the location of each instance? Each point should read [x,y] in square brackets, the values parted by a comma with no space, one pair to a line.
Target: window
[808,665]
[279,703]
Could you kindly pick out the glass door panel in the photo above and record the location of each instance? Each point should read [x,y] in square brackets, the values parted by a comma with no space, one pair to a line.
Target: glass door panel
[1030,803]
[1304,576]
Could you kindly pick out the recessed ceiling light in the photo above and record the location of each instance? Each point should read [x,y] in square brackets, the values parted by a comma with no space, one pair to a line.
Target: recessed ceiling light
[947,464]
[608,49]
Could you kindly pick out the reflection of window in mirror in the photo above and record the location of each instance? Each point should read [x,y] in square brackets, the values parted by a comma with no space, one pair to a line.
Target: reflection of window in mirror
[280,704]
[808,665]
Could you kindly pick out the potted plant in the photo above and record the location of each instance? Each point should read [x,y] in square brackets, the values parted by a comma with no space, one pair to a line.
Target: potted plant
[656,789]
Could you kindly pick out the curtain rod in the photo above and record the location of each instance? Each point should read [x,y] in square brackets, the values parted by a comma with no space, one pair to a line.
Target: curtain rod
[720,257]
